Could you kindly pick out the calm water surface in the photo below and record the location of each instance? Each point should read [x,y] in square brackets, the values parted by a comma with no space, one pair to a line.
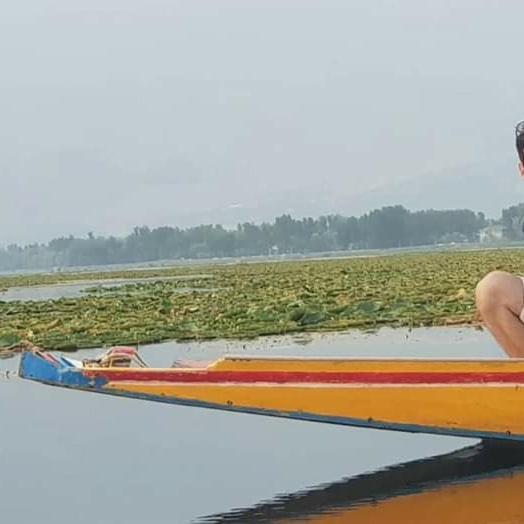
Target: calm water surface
[72,457]
[78,289]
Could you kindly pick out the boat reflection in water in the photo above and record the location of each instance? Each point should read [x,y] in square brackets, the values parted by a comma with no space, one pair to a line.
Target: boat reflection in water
[478,484]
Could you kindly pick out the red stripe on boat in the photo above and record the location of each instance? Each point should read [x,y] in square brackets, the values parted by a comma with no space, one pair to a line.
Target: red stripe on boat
[282,377]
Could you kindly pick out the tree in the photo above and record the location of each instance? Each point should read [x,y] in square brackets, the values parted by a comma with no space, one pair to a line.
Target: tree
[391,226]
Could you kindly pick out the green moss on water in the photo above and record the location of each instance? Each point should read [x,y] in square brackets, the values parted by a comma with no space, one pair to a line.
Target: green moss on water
[250,300]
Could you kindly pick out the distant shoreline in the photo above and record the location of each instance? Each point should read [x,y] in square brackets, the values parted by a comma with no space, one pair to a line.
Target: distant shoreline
[162,264]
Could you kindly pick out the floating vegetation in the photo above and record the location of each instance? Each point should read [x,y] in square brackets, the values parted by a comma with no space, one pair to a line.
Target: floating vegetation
[254,299]
[10,346]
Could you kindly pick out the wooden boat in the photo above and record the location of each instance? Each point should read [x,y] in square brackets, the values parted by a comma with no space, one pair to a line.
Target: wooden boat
[472,398]
[477,484]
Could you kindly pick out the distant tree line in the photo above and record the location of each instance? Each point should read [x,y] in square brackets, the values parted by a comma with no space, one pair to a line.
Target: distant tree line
[512,222]
[389,227]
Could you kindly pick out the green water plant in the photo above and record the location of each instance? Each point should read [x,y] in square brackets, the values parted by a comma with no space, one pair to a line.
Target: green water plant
[255,299]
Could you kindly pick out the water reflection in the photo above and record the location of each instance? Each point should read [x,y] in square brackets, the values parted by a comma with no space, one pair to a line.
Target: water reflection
[481,484]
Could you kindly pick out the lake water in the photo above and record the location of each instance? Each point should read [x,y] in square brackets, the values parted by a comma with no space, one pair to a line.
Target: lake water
[72,457]
[78,288]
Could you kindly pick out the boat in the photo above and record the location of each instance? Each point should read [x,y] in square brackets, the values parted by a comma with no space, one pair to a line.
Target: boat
[468,398]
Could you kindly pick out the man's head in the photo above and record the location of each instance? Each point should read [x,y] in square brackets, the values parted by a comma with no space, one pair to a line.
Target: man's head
[519,132]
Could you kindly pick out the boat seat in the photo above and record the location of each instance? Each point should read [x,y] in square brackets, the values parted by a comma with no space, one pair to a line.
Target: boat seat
[117,357]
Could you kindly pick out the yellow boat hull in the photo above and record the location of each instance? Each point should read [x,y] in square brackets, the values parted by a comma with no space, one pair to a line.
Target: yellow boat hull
[457,397]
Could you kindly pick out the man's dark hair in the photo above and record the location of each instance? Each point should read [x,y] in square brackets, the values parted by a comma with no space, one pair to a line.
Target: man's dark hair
[519,131]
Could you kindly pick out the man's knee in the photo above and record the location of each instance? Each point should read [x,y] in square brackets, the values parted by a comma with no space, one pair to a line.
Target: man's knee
[496,290]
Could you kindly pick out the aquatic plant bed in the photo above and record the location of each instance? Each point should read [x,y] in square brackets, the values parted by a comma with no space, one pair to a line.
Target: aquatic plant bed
[254,299]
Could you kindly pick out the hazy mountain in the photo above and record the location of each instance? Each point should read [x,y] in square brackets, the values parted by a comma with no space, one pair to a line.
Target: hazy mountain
[486,188]
[103,198]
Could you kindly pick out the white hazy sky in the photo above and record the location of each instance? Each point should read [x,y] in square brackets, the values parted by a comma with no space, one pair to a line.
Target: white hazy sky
[115,113]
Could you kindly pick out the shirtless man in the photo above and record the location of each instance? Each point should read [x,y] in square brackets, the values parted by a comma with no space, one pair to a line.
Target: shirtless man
[500,295]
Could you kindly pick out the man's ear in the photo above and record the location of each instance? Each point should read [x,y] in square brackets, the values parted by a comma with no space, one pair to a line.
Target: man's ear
[521,169]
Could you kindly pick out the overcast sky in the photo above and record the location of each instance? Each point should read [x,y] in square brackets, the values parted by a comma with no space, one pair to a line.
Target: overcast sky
[115,113]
